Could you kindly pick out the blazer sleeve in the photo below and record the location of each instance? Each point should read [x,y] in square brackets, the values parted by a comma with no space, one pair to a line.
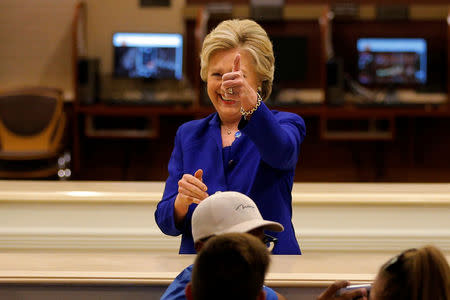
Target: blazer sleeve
[164,214]
[276,135]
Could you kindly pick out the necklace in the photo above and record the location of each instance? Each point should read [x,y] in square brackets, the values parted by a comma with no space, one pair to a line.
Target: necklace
[228,131]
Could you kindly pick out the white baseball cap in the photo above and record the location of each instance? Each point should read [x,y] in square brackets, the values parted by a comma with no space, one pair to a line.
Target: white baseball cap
[225,212]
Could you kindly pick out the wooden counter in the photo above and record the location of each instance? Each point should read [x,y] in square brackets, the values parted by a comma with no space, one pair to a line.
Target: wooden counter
[150,269]
[97,240]
[138,275]
[94,275]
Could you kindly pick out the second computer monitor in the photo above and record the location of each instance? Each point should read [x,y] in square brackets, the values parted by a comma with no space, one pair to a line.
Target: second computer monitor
[392,61]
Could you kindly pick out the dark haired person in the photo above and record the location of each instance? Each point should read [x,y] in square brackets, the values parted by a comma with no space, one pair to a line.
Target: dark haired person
[230,266]
[234,266]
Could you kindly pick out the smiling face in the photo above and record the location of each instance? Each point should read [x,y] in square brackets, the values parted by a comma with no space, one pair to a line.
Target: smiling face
[221,62]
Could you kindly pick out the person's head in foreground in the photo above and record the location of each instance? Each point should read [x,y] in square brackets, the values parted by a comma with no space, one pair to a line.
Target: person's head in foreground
[219,57]
[415,274]
[230,266]
[225,212]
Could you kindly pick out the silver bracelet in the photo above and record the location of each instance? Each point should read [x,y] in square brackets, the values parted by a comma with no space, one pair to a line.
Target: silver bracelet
[251,111]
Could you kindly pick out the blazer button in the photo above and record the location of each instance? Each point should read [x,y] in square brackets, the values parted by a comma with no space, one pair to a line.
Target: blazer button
[231,162]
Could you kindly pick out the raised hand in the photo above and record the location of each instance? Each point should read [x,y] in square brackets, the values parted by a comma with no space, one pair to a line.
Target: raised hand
[191,189]
[236,87]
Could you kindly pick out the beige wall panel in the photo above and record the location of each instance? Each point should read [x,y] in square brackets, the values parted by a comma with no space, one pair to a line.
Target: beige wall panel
[307,12]
[367,12]
[429,12]
[36,43]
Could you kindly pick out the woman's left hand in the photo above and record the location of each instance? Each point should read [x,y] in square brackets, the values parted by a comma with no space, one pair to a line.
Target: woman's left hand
[241,89]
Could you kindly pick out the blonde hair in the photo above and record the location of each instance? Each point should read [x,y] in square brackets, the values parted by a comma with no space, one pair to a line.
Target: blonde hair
[247,35]
[417,274]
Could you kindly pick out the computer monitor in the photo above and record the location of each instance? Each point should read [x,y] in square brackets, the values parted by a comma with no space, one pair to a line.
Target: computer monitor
[148,55]
[392,61]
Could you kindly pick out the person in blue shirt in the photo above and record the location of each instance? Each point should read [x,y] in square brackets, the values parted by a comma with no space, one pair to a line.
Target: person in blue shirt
[233,212]
[220,213]
[234,266]
[244,146]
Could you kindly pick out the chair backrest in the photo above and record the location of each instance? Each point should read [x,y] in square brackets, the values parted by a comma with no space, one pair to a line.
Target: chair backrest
[31,119]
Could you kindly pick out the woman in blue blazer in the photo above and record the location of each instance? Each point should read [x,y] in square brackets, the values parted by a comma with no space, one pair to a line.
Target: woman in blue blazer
[243,146]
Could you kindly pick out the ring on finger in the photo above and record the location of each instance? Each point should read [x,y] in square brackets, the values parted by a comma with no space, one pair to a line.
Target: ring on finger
[230,91]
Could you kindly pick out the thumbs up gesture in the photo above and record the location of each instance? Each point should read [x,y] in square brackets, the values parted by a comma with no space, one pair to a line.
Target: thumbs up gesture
[241,83]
